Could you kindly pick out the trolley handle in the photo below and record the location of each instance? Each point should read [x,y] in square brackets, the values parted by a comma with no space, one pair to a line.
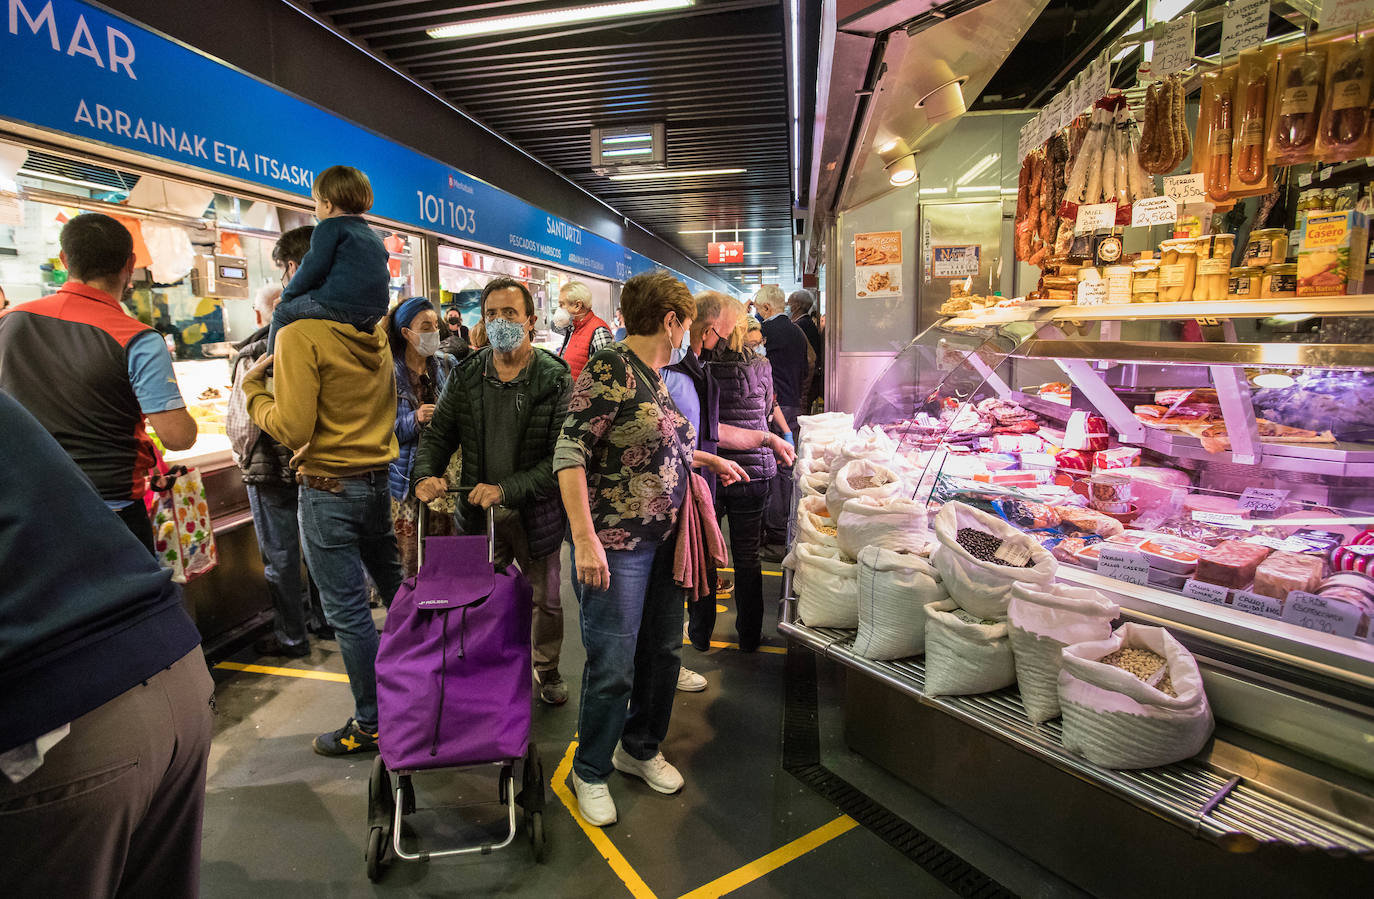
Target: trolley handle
[420,531]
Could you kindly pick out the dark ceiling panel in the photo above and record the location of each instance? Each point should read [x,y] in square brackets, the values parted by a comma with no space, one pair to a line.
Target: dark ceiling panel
[714,73]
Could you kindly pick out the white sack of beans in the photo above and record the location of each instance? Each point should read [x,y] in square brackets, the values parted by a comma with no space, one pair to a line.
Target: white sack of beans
[974,580]
[815,484]
[898,524]
[1116,720]
[869,443]
[814,465]
[894,589]
[1041,621]
[826,584]
[815,528]
[965,653]
[824,427]
[863,477]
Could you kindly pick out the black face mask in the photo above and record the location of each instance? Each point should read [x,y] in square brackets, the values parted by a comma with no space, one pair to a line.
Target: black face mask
[454,324]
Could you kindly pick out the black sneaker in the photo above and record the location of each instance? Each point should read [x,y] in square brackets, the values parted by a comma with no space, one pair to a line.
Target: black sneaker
[271,646]
[323,631]
[347,740]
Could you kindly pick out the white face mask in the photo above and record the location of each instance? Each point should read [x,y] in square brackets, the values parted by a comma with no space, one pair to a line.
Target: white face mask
[426,343]
[562,319]
[761,350]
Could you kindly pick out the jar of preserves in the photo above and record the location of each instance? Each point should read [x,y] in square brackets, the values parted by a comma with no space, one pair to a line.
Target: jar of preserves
[1267,246]
[1177,270]
[1213,272]
[1145,282]
[1118,278]
[1279,281]
[1223,247]
[1244,283]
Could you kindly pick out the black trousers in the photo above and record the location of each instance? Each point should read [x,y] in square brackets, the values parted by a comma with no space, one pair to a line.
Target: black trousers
[779,505]
[135,516]
[743,505]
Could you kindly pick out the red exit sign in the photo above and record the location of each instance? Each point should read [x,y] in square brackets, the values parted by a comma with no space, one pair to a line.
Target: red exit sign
[726,251]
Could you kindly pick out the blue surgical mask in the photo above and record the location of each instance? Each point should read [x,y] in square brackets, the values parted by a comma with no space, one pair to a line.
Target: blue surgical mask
[761,350]
[505,336]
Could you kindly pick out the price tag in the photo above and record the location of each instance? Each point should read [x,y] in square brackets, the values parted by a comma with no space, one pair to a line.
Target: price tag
[1225,519]
[1304,179]
[1092,216]
[1101,80]
[1360,549]
[1326,172]
[1076,93]
[1261,500]
[1092,293]
[1330,616]
[1023,144]
[1124,565]
[1154,211]
[1290,545]
[1213,593]
[1174,51]
[1335,13]
[1186,188]
[1245,25]
[1014,554]
[1255,604]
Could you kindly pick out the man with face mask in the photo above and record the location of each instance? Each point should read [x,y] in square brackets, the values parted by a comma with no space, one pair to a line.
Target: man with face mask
[585,332]
[271,484]
[504,406]
[92,374]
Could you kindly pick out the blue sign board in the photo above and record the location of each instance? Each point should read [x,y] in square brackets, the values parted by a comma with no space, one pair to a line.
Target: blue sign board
[74,68]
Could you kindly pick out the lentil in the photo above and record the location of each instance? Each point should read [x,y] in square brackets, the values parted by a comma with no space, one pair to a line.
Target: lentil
[863,482]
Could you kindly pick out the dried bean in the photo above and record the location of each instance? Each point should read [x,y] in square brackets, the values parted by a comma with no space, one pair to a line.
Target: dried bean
[983,546]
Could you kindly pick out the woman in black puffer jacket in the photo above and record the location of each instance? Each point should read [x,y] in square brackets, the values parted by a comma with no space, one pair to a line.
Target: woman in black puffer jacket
[746,401]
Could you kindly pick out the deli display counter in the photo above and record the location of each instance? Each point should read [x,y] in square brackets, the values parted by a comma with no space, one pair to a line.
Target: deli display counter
[1221,489]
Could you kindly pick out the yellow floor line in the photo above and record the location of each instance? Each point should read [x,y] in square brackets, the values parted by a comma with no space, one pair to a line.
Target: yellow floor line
[773,860]
[766,572]
[285,672]
[716,644]
[628,876]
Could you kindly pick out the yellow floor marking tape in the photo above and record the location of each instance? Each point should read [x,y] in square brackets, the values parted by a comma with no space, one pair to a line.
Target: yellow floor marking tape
[285,672]
[765,571]
[716,644]
[628,876]
[773,860]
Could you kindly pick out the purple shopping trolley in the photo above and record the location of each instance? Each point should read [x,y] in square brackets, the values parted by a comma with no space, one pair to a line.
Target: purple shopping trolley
[453,690]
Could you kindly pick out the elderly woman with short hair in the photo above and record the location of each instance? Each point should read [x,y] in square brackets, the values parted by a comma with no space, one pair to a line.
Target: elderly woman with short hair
[624,463]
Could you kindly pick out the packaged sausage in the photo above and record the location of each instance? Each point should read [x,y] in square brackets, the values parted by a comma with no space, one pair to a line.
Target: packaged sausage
[1302,76]
[1344,131]
[1254,99]
[1216,134]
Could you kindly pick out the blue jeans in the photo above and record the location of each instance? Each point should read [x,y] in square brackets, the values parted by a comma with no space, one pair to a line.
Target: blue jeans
[345,533]
[633,637]
[304,306]
[276,519]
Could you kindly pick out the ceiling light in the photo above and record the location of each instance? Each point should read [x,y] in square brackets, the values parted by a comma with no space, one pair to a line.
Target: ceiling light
[945,102]
[628,151]
[759,253]
[534,20]
[902,171]
[727,230]
[628,139]
[1274,379]
[675,173]
[977,169]
[754,268]
[978,189]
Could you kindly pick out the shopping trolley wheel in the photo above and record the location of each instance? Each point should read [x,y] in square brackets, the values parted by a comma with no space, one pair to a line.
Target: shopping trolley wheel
[532,781]
[380,801]
[407,795]
[376,845]
[536,820]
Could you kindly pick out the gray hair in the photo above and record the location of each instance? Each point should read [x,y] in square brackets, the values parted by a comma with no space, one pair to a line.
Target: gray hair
[770,294]
[577,292]
[801,300]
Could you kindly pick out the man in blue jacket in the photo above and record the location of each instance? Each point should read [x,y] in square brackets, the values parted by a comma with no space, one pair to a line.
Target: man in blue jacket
[104,696]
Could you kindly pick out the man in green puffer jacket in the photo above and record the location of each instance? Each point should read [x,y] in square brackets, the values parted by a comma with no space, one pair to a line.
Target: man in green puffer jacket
[504,406]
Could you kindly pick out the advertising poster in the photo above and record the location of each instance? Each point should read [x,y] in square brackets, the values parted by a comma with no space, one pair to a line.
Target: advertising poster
[957,262]
[878,264]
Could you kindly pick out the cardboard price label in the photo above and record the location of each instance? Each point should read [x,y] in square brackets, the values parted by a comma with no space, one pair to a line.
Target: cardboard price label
[1213,593]
[1336,13]
[1359,549]
[1288,545]
[1245,25]
[1154,211]
[1124,565]
[1330,616]
[1262,500]
[1092,293]
[1186,188]
[1256,604]
[1174,51]
[1224,519]
[1093,216]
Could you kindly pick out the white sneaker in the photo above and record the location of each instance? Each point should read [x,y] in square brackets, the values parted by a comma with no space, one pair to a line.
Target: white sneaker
[594,802]
[688,681]
[656,772]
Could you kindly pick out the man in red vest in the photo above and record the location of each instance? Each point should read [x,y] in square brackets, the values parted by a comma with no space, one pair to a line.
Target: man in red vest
[586,333]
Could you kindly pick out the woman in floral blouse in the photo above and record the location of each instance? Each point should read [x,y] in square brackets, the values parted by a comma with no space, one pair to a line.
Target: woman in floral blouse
[623,462]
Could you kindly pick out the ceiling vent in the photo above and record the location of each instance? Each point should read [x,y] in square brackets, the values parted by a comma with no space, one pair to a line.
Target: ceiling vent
[629,148]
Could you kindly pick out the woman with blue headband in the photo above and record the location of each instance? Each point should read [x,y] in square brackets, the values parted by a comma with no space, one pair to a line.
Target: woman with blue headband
[421,371]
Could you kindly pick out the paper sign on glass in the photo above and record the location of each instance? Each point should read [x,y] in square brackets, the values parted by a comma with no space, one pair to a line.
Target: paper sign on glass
[1258,604]
[1262,500]
[1186,188]
[1330,616]
[1245,25]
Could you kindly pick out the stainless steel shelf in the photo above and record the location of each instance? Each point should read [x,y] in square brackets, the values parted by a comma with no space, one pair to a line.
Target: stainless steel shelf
[1360,304]
[1283,355]
[1191,794]
[1341,460]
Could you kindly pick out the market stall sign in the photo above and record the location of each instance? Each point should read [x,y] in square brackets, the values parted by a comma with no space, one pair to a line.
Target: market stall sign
[1186,189]
[725,251]
[1258,604]
[1094,216]
[1201,590]
[1320,613]
[957,262]
[1339,13]
[113,82]
[1174,51]
[1245,25]
[1260,499]
[1124,565]
[878,264]
[1154,211]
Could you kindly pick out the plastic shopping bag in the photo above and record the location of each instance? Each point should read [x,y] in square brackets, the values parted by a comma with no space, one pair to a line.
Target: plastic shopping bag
[182,535]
